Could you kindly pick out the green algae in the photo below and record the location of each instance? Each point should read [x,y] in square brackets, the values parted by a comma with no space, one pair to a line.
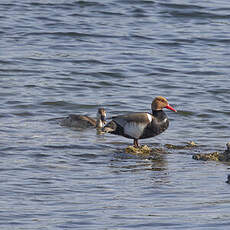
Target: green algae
[207,156]
[144,151]
[214,156]
[189,145]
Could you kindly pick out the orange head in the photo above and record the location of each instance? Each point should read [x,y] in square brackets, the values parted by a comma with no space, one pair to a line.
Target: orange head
[160,102]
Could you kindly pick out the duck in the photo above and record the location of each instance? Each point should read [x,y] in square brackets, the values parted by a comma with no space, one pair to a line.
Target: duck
[84,121]
[141,125]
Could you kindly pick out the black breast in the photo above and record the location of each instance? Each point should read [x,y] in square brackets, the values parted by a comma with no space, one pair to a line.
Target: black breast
[158,125]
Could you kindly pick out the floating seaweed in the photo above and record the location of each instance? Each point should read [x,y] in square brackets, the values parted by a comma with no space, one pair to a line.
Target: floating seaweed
[214,156]
[144,150]
[189,145]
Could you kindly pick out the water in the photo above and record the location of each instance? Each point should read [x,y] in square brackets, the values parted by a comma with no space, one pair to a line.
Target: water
[60,57]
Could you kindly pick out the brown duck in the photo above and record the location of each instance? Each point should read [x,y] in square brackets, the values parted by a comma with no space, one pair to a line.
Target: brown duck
[84,121]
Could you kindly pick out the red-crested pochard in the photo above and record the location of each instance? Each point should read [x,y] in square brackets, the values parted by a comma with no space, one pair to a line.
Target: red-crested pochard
[141,125]
[83,121]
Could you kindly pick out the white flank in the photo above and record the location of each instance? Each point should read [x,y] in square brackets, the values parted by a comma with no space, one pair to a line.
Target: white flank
[134,129]
[165,119]
[150,118]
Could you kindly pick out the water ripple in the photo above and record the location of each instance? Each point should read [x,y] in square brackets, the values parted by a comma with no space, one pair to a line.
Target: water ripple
[60,58]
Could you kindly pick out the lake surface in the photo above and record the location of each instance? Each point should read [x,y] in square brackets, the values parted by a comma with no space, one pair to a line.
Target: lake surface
[64,57]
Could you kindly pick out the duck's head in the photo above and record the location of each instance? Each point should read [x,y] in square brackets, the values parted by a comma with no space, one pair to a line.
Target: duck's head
[101,114]
[160,102]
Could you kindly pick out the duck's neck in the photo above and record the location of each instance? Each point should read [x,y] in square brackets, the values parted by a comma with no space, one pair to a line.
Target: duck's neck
[99,123]
[159,114]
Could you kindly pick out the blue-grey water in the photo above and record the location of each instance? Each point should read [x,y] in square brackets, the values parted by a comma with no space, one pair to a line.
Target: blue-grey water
[63,57]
